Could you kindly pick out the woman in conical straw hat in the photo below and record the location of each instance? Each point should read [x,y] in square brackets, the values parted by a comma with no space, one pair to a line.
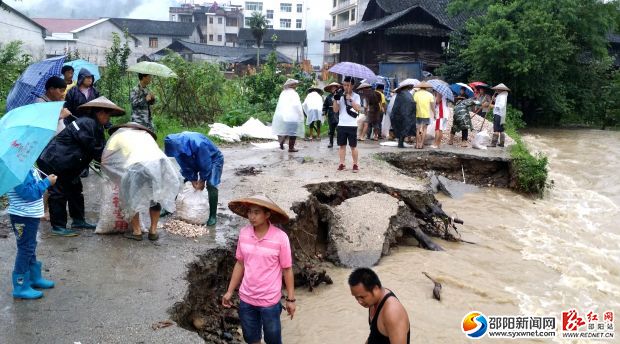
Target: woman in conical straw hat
[263,258]
[499,104]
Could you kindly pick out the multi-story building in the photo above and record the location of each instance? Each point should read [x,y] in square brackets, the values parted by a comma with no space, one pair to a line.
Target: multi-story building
[345,13]
[219,22]
[282,14]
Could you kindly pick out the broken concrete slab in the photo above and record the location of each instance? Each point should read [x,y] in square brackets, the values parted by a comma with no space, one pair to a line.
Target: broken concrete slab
[453,188]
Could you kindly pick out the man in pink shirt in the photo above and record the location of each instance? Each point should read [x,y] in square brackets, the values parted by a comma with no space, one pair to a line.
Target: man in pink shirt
[263,257]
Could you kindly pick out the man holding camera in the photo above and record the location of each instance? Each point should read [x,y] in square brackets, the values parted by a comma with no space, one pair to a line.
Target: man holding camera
[347,105]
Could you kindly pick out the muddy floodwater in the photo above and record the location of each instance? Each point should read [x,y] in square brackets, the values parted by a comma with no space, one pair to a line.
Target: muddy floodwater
[531,257]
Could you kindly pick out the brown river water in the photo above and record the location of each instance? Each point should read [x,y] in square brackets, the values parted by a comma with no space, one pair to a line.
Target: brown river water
[531,257]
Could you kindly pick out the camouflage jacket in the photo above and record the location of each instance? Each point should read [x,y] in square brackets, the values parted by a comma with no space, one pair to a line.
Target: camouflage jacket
[140,108]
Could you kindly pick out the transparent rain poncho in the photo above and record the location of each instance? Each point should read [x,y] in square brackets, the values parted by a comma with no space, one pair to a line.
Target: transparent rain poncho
[288,120]
[144,174]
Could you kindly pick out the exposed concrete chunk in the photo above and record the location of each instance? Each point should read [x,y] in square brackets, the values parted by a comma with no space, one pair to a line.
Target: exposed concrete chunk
[360,230]
[453,188]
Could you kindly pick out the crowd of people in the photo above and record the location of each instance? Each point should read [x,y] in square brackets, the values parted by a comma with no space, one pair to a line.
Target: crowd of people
[131,159]
[362,111]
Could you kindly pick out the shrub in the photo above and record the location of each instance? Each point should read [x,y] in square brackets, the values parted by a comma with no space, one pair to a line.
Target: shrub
[530,171]
[194,98]
[13,62]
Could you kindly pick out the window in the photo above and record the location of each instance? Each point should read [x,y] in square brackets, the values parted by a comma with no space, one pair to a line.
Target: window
[269,26]
[232,22]
[219,20]
[298,24]
[300,8]
[254,6]
[219,38]
[285,23]
[152,42]
[269,14]
[210,38]
[333,21]
[353,15]
[210,20]
[335,3]
[286,7]
[247,22]
[231,38]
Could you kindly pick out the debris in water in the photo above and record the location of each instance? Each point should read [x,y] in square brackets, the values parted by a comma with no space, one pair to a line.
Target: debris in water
[185,229]
[162,324]
[436,289]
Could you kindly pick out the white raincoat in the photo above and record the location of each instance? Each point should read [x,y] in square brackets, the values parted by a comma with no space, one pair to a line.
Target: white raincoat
[313,107]
[500,106]
[288,120]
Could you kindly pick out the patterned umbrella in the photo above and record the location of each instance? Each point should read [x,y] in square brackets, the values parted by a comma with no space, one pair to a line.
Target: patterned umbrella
[442,87]
[79,64]
[24,133]
[31,83]
[353,69]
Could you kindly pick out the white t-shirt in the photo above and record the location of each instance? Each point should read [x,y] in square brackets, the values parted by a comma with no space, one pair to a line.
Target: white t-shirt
[500,104]
[344,119]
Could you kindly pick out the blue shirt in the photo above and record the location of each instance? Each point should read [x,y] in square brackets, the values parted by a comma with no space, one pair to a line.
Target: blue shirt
[26,199]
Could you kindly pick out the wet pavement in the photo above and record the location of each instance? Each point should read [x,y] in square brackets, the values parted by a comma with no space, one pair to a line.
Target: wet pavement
[112,290]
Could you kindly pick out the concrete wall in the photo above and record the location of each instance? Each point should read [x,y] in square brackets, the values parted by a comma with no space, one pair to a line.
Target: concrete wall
[15,28]
[216,29]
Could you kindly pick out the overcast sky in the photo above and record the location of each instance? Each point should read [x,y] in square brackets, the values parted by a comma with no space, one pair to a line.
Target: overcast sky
[318,12]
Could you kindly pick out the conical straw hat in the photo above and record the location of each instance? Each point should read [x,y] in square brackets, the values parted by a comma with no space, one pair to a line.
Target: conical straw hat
[240,207]
[103,103]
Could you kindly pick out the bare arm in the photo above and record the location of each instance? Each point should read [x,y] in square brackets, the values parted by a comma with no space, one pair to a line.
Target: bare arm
[235,280]
[289,282]
[396,323]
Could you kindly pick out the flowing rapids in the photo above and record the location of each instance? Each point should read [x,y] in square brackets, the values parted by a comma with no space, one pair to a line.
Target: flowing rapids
[532,257]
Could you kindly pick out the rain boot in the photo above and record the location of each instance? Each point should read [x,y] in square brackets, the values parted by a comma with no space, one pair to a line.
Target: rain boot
[213,195]
[281,141]
[291,144]
[22,288]
[494,140]
[502,138]
[82,224]
[401,142]
[36,280]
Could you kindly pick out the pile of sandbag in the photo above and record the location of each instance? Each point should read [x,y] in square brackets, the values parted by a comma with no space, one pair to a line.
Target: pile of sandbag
[252,128]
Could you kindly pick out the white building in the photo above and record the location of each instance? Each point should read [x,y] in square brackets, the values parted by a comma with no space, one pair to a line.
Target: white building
[345,13]
[219,21]
[93,39]
[15,26]
[282,14]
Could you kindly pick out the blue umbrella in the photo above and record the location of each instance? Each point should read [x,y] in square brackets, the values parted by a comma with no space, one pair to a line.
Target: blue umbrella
[24,133]
[31,83]
[79,64]
[442,87]
[353,69]
[456,88]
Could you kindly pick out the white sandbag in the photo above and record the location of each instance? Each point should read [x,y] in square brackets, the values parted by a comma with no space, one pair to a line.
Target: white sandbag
[393,144]
[386,125]
[110,214]
[253,128]
[430,133]
[265,145]
[361,118]
[224,132]
[481,140]
[192,205]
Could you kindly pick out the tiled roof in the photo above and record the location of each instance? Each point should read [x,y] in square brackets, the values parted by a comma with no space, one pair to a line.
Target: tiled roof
[437,8]
[54,25]
[229,54]
[366,26]
[155,27]
[284,36]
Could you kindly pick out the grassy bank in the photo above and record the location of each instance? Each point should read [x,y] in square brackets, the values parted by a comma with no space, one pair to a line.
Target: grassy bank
[531,171]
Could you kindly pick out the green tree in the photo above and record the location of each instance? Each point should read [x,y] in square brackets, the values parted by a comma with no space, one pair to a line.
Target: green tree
[114,83]
[258,24]
[13,62]
[551,53]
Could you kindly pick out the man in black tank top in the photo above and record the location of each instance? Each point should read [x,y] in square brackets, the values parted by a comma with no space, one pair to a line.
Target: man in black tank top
[388,319]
